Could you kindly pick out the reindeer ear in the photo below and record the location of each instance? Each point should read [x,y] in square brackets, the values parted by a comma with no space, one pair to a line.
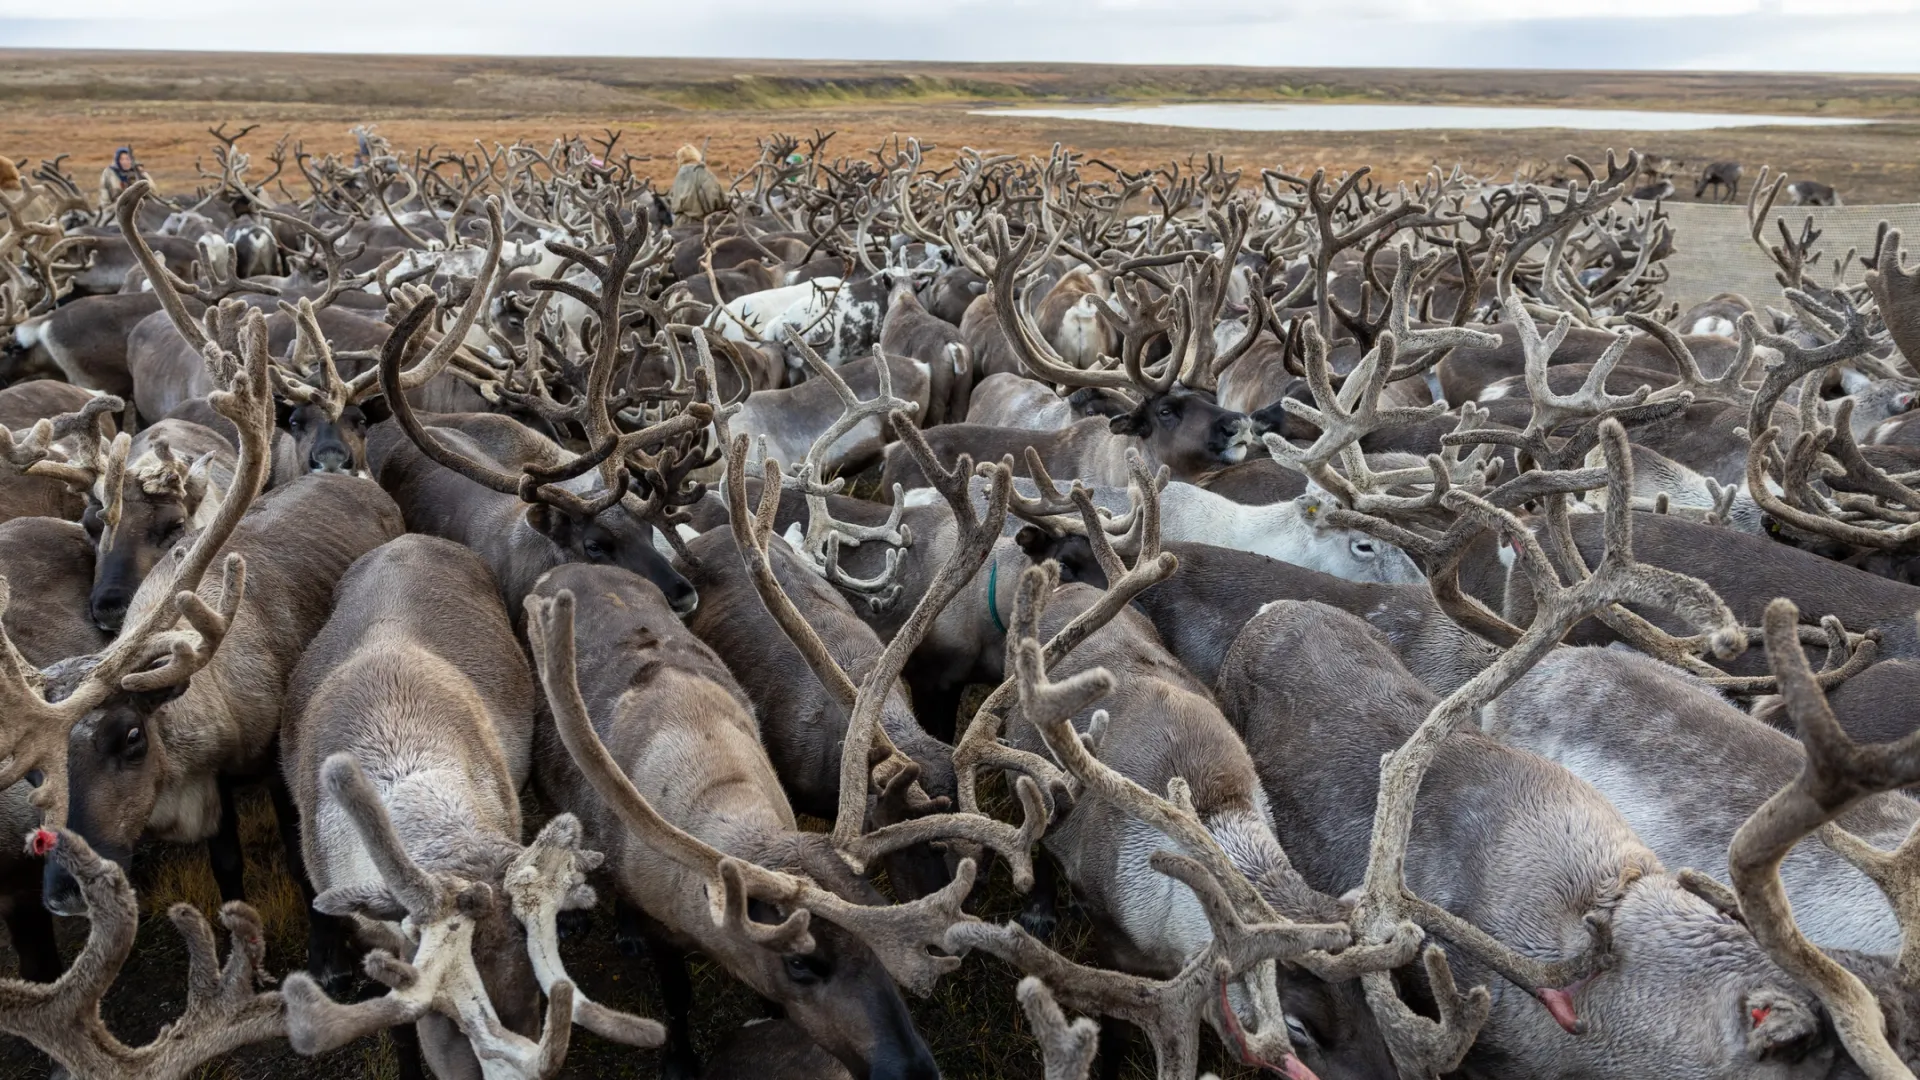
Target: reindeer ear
[373,901]
[200,479]
[550,523]
[1313,508]
[1781,1026]
[1035,541]
[1131,423]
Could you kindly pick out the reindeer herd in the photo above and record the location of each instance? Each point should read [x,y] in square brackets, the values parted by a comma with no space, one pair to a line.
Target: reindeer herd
[1413,645]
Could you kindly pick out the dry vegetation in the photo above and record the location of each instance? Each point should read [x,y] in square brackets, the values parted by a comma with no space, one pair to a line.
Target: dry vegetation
[87,103]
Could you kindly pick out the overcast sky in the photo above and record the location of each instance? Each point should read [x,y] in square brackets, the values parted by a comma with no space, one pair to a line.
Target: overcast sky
[1799,35]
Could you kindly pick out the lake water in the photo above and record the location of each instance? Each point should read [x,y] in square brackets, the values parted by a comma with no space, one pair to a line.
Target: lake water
[1322,117]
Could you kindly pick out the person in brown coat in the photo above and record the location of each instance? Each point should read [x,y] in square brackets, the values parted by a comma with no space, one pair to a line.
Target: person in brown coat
[695,192]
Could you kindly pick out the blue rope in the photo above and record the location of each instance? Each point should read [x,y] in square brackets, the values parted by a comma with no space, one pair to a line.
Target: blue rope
[993,596]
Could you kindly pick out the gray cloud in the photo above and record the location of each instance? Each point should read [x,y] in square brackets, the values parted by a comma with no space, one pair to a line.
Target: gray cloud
[1119,31]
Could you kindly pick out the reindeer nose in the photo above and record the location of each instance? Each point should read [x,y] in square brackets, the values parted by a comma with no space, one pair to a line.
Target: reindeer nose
[684,600]
[108,607]
[328,459]
[60,892]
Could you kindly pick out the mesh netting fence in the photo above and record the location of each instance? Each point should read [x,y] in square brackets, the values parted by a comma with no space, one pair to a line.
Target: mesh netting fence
[1713,252]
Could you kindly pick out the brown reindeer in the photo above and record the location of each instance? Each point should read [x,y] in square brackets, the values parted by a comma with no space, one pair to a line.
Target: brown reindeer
[154,488]
[664,727]
[419,681]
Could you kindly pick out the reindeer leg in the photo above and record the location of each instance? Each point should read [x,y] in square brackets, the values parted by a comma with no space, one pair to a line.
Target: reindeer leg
[679,1062]
[406,1050]
[630,931]
[332,959]
[1041,916]
[223,849]
[31,927]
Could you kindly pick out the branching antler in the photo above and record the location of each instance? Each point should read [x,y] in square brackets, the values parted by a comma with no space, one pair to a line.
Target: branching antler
[441,976]
[228,1005]
[1838,773]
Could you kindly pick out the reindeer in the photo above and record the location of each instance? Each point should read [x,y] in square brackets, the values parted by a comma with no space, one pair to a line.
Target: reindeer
[86,341]
[911,332]
[1812,193]
[510,493]
[1295,531]
[1686,769]
[418,681]
[154,754]
[801,724]
[50,563]
[1201,609]
[993,351]
[1161,723]
[695,798]
[953,293]
[1723,176]
[154,488]
[1555,864]
[1007,400]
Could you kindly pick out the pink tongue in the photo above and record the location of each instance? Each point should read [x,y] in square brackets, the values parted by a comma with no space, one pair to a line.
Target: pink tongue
[1560,1004]
[40,842]
[1295,1069]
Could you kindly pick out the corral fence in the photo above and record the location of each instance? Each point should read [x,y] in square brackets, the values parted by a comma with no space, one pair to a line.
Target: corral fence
[1714,253]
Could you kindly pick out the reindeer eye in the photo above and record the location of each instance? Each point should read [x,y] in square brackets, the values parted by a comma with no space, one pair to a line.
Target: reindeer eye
[1362,548]
[1297,1031]
[802,971]
[596,550]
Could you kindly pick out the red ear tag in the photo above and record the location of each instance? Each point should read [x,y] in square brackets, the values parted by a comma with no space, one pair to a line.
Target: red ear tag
[1760,1014]
[41,842]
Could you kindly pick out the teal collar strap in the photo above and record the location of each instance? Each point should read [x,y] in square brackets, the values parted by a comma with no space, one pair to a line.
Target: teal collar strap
[993,596]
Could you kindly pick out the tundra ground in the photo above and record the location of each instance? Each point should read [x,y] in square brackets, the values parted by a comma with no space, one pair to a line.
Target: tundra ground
[85,104]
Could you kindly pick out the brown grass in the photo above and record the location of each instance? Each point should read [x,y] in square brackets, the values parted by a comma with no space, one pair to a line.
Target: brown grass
[183,874]
[85,104]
